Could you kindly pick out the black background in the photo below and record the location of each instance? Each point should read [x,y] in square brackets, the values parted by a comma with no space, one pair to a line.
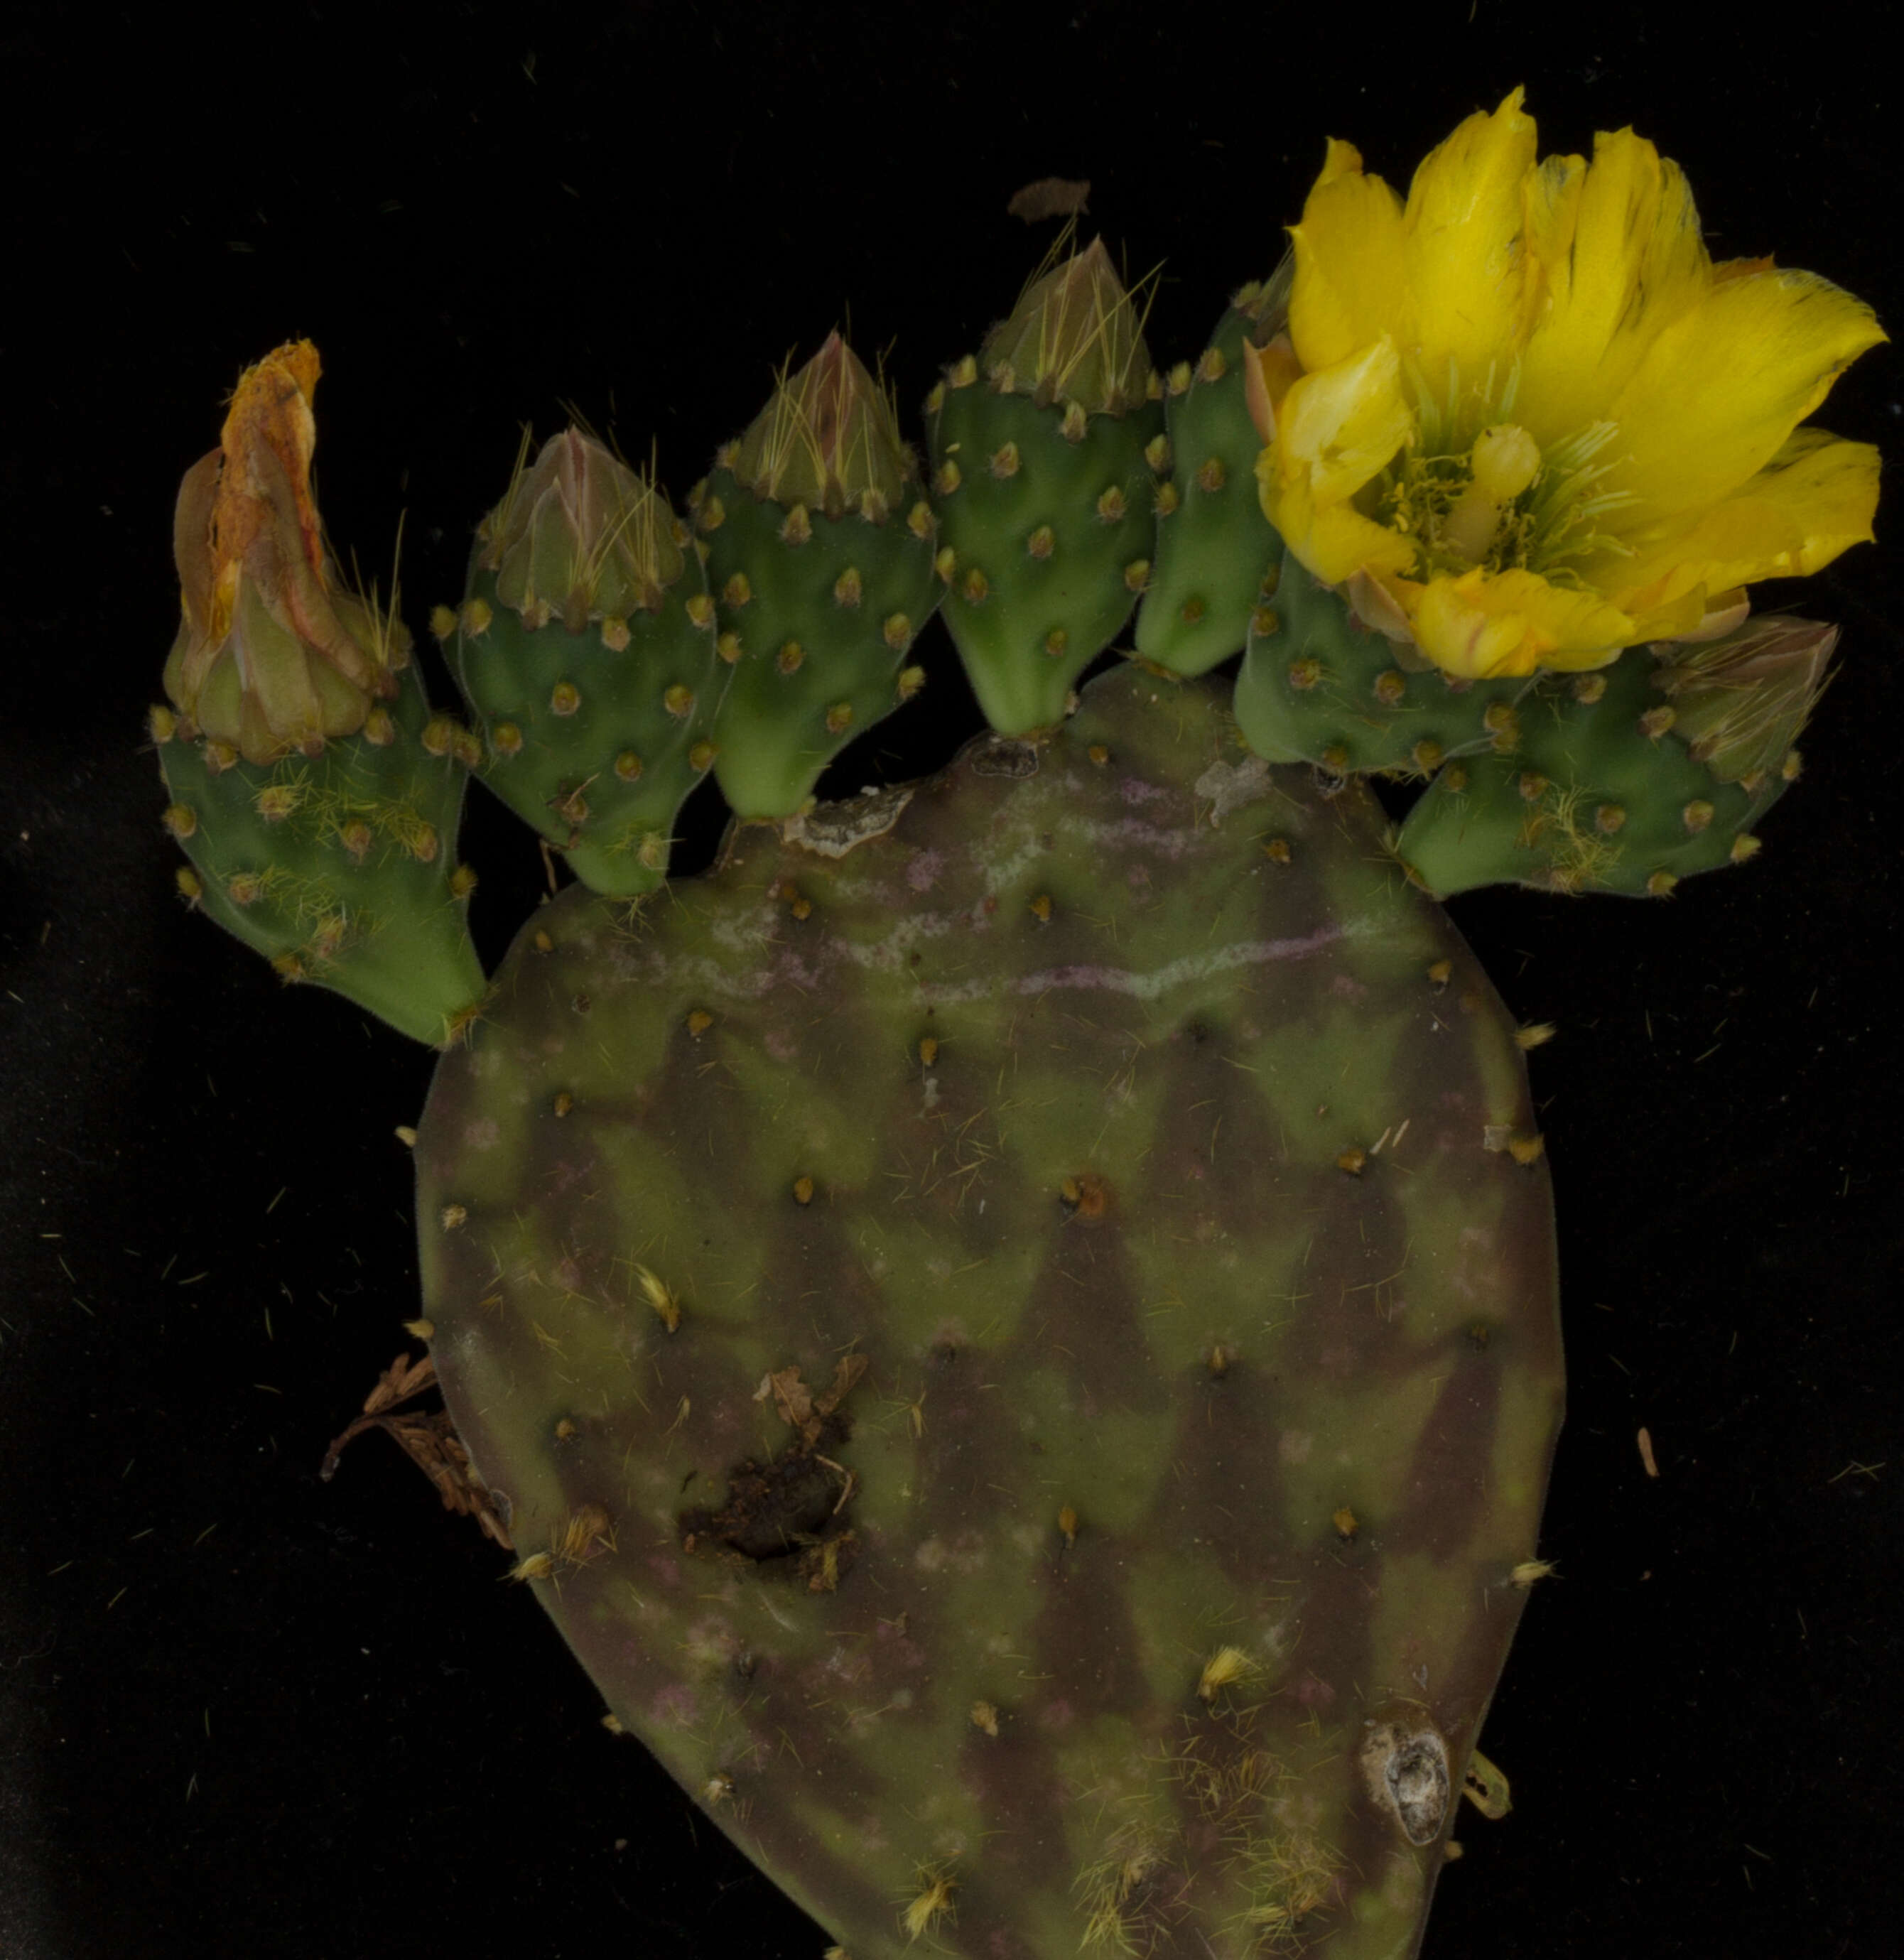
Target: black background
[242,1711]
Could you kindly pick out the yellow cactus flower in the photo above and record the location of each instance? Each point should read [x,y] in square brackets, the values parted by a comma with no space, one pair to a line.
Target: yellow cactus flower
[1527,421]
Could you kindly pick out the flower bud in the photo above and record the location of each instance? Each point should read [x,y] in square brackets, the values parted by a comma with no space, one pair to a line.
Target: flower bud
[1739,702]
[269,658]
[829,440]
[580,536]
[1074,336]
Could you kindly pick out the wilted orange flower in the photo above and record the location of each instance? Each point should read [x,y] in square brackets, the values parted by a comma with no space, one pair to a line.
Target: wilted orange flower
[269,657]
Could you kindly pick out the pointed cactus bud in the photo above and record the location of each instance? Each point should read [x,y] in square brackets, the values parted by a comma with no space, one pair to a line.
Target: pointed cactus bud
[819,544]
[579,535]
[829,440]
[1075,336]
[1045,487]
[1740,702]
[269,658]
[585,647]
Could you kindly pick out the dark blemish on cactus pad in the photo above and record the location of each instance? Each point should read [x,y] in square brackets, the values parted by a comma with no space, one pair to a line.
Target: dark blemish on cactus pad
[1086,1197]
[1002,757]
[793,1504]
[832,829]
[1407,1770]
[773,1511]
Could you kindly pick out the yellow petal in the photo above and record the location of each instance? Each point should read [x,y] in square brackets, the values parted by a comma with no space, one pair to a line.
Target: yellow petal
[1332,540]
[1339,159]
[1341,424]
[1714,397]
[1815,499]
[1349,284]
[1481,627]
[1549,211]
[1724,269]
[1614,256]
[1463,250]
[1549,216]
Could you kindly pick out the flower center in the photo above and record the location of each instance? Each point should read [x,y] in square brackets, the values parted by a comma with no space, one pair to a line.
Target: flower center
[1504,462]
[1501,505]
[1468,510]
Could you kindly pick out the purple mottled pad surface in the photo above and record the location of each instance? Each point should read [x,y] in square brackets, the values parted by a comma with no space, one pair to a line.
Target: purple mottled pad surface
[1014,1323]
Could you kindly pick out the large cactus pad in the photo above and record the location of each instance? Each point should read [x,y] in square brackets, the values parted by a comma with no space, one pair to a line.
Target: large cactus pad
[1014,1323]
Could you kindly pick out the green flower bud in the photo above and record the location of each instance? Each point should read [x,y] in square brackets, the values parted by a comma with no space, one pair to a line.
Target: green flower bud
[1740,701]
[828,441]
[1075,336]
[580,536]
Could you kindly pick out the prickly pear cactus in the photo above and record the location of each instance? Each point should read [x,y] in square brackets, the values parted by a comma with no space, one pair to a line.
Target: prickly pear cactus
[1015,1327]
[1012,1326]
